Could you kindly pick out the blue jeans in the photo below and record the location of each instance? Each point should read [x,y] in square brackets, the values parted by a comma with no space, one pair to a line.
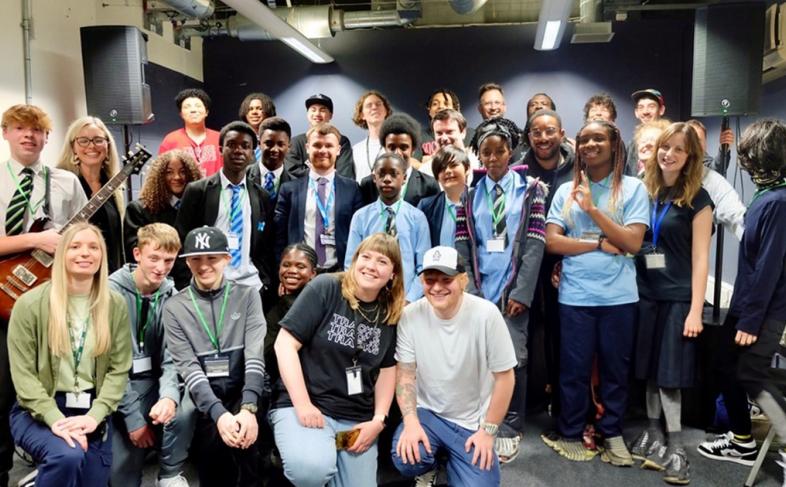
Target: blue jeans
[58,463]
[450,437]
[309,454]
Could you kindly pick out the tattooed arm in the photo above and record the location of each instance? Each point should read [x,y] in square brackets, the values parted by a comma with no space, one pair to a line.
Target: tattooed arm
[412,432]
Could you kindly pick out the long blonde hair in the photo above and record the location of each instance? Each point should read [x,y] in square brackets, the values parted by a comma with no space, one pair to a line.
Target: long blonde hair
[59,338]
[391,296]
[689,180]
[109,168]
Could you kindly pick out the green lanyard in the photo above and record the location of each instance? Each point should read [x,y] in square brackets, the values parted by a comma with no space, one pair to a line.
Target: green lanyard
[762,191]
[229,206]
[220,326]
[451,209]
[77,351]
[496,217]
[383,208]
[140,330]
[32,208]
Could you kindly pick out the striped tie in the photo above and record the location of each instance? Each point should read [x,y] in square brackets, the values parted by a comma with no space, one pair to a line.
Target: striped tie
[236,225]
[20,201]
[499,211]
[270,185]
[390,225]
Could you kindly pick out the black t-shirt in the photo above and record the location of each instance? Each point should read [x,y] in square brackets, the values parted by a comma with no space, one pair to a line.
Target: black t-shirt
[675,239]
[323,322]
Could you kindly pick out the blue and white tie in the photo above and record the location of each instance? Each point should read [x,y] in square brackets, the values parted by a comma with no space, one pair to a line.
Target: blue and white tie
[236,225]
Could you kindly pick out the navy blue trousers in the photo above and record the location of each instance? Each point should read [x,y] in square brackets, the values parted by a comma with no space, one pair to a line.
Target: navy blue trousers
[58,463]
[585,331]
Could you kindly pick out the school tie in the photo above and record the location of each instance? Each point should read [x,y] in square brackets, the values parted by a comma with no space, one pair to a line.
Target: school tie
[390,224]
[320,224]
[15,214]
[236,225]
[270,185]
[499,211]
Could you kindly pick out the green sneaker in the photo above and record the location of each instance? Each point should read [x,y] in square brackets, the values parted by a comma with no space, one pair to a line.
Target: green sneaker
[573,450]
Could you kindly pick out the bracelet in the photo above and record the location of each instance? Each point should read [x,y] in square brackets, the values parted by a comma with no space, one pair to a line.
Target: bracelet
[600,241]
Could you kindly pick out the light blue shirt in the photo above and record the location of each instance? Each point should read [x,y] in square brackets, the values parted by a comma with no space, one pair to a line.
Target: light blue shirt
[411,232]
[495,268]
[598,278]
[447,235]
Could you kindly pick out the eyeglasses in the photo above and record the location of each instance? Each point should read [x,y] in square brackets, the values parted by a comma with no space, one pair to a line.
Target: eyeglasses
[549,132]
[97,141]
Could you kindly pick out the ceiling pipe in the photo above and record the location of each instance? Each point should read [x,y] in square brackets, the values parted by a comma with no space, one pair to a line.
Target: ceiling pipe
[200,9]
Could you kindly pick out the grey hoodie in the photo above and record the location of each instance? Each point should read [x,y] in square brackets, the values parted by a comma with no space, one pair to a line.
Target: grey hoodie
[163,371]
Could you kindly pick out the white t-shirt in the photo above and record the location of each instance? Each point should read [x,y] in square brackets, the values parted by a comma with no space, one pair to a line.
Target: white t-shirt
[455,358]
[364,153]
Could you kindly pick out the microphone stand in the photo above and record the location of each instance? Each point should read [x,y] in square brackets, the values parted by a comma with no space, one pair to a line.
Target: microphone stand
[721,166]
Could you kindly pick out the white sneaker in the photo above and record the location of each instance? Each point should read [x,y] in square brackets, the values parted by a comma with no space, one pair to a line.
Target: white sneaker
[782,463]
[176,481]
[28,480]
[428,479]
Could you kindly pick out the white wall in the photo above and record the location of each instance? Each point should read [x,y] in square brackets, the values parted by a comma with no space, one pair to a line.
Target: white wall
[57,79]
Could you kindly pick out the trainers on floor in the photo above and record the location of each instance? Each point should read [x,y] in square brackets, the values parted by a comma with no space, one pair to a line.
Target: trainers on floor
[677,468]
[615,452]
[656,457]
[28,480]
[176,481]
[507,449]
[782,463]
[641,445]
[428,479]
[572,450]
[726,448]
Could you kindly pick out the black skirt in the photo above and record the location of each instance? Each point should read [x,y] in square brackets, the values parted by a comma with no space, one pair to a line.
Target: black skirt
[663,354]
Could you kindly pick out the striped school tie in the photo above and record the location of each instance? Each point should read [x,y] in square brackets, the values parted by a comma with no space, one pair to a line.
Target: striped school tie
[390,224]
[236,225]
[499,209]
[15,214]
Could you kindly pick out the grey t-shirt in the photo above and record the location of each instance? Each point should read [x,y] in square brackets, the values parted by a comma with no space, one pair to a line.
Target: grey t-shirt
[455,358]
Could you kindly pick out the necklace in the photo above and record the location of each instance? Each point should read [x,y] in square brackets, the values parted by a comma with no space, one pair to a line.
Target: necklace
[375,309]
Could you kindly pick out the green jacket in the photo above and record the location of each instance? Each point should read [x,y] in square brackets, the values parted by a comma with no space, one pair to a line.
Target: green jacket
[34,369]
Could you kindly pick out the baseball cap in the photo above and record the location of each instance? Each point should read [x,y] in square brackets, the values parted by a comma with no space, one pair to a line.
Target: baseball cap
[205,241]
[443,259]
[320,99]
[647,93]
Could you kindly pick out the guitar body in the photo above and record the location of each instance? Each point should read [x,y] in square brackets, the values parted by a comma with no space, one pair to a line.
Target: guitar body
[22,272]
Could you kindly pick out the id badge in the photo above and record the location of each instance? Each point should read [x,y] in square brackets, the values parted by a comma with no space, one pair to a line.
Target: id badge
[655,261]
[589,237]
[233,241]
[78,400]
[141,364]
[495,245]
[354,381]
[327,239]
[217,366]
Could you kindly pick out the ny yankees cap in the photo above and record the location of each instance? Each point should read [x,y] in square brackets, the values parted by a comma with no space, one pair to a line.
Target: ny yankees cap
[443,259]
[320,99]
[205,241]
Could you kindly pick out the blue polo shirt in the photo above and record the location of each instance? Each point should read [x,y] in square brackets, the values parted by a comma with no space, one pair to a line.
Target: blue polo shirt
[598,278]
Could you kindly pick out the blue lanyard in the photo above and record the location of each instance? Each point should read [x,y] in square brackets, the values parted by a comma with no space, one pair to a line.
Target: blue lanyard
[324,209]
[657,219]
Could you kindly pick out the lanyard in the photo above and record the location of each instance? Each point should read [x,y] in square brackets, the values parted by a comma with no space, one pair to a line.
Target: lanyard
[140,330]
[77,350]
[324,209]
[497,217]
[32,208]
[451,209]
[239,207]
[657,219]
[218,327]
[762,191]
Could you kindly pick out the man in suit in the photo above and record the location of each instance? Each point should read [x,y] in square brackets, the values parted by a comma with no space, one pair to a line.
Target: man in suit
[317,209]
[319,109]
[400,134]
[274,138]
[238,206]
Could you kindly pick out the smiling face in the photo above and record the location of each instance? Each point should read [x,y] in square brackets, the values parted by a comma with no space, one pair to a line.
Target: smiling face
[322,152]
[154,264]
[594,146]
[389,177]
[495,154]
[545,135]
[372,271]
[295,271]
[438,102]
[238,152]
[175,177]
[318,114]
[672,157]
[538,102]
[255,113]
[647,140]
[492,104]
[208,270]
[446,132]
[193,111]
[648,110]
[90,146]
[443,292]
[453,176]
[599,112]
[25,142]
[275,146]
[83,255]
[374,111]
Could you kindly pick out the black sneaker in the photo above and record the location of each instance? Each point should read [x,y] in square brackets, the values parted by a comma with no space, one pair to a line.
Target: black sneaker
[726,448]
[677,468]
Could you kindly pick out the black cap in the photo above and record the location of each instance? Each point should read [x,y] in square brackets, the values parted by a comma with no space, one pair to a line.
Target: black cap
[648,93]
[205,241]
[320,99]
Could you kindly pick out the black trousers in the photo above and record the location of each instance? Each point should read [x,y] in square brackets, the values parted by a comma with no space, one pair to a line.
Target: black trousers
[7,398]
[754,369]
[724,365]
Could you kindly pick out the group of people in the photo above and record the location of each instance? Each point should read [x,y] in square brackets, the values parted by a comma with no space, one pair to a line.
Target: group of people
[269,291]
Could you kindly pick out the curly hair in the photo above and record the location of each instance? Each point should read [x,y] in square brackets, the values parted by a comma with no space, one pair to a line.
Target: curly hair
[267,105]
[601,100]
[448,94]
[154,194]
[192,93]
[689,180]
[357,116]
[400,123]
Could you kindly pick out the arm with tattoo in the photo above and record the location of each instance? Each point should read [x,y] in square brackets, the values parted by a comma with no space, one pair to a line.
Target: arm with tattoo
[406,390]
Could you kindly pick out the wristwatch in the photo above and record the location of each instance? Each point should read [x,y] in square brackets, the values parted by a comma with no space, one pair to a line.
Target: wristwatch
[490,428]
[250,407]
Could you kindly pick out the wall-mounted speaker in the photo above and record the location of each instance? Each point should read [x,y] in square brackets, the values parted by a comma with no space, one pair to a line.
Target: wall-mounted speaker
[114,58]
[728,46]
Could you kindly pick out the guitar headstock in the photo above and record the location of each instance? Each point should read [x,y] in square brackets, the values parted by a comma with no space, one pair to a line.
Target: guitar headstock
[133,162]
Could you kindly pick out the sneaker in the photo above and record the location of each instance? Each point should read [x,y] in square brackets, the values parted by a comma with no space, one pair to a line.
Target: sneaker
[615,452]
[782,463]
[641,445]
[677,468]
[656,457]
[428,479]
[507,449]
[572,450]
[28,480]
[726,448]
[176,481]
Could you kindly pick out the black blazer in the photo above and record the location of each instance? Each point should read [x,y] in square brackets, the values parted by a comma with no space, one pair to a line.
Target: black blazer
[295,162]
[137,217]
[291,213]
[419,186]
[255,175]
[199,207]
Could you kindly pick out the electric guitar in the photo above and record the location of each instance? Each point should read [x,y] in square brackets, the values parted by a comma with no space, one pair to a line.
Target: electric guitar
[22,272]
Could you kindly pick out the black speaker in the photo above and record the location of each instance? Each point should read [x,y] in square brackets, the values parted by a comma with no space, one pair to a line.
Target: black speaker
[114,58]
[728,46]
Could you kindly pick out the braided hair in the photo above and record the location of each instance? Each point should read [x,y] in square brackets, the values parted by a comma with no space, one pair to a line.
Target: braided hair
[503,127]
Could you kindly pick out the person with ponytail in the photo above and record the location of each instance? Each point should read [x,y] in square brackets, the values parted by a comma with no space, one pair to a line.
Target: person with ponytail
[70,352]
[595,222]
